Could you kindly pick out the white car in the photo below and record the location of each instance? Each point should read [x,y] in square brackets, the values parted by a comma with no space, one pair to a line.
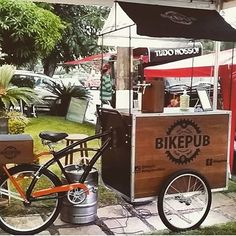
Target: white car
[40,81]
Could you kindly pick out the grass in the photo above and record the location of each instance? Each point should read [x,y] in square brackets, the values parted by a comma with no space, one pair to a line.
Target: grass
[232,186]
[59,124]
[221,229]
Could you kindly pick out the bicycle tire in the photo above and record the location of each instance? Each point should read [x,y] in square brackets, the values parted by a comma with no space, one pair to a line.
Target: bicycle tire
[19,218]
[180,199]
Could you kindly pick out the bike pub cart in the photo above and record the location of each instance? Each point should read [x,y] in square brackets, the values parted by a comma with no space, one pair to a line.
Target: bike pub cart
[177,156]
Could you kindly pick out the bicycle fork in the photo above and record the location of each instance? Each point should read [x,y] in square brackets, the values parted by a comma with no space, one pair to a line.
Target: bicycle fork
[16,185]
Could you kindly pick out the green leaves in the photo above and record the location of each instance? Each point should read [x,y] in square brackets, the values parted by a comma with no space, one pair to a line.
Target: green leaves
[6,73]
[12,95]
[27,31]
[62,91]
[80,36]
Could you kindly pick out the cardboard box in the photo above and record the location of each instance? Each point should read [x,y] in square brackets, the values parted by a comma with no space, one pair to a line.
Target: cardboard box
[16,148]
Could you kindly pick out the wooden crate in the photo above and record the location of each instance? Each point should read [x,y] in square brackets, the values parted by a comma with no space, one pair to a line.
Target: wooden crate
[16,148]
[166,144]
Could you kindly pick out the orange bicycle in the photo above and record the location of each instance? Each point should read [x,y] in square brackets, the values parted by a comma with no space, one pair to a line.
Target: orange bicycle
[35,193]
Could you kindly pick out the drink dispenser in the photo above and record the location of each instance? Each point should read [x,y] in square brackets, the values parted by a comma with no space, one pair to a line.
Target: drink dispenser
[153,96]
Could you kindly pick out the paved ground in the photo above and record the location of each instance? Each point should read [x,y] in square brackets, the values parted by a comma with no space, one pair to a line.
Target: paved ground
[126,219]
[144,219]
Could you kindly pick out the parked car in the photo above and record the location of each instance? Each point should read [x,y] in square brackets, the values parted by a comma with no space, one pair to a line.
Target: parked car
[93,81]
[39,82]
[38,79]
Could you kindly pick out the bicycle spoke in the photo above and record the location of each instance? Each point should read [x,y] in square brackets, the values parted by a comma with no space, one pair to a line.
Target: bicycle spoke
[9,194]
[179,213]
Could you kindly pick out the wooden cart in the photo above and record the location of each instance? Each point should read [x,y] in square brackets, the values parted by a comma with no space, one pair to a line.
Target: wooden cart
[149,147]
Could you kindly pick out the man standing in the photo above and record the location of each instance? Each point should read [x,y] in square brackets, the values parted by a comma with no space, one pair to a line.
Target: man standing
[106,85]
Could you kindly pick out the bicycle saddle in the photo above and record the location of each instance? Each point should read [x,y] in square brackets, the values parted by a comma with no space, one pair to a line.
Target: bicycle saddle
[52,136]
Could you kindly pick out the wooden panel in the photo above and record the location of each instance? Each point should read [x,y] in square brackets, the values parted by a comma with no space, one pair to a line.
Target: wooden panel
[153,97]
[164,145]
[116,161]
[16,148]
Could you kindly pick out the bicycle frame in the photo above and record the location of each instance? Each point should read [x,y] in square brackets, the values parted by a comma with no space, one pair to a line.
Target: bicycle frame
[30,196]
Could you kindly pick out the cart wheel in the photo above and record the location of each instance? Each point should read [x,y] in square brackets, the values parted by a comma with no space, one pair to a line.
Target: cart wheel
[184,200]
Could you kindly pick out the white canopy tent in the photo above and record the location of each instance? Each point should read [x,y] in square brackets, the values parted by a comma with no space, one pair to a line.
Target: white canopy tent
[120,30]
[201,4]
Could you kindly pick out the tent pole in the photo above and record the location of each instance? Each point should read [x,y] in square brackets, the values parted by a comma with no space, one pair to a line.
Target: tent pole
[216,69]
[216,74]
[130,76]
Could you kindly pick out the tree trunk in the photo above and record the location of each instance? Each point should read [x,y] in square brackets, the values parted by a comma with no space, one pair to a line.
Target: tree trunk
[49,66]
[123,68]
[123,98]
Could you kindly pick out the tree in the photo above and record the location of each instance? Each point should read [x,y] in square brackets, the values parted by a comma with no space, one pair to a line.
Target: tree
[63,94]
[227,45]
[80,37]
[209,46]
[27,31]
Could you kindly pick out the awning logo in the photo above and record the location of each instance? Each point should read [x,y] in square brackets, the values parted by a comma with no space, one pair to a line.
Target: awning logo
[178,18]
[183,141]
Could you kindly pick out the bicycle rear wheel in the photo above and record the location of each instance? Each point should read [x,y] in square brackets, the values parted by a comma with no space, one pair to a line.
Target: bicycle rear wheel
[184,201]
[16,217]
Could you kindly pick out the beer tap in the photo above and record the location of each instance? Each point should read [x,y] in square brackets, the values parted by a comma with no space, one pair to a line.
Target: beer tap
[143,85]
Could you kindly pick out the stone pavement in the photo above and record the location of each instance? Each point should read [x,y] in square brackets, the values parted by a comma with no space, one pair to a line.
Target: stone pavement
[126,219]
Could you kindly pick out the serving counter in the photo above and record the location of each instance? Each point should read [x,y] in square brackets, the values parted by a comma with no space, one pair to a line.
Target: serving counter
[149,147]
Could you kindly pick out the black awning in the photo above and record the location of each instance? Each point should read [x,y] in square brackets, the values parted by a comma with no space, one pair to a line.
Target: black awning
[165,21]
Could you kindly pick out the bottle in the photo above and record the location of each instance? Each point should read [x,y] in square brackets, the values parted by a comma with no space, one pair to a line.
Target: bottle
[184,101]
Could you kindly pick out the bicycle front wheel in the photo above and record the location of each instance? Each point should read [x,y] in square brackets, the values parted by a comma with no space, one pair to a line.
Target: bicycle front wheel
[17,217]
[184,201]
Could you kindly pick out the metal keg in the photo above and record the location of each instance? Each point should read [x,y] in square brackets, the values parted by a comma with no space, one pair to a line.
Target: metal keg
[86,211]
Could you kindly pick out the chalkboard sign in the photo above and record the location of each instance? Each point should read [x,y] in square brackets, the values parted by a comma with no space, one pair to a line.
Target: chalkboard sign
[204,99]
[77,109]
